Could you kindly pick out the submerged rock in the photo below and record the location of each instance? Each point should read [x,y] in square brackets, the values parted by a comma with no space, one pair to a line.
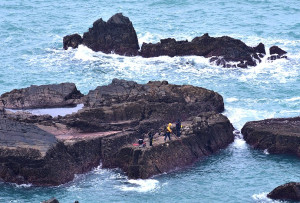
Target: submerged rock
[288,191]
[116,35]
[280,135]
[43,96]
[223,50]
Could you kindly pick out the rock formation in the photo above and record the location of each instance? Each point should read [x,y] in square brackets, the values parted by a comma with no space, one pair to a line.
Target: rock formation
[281,135]
[44,96]
[48,151]
[277,53]
[116,35]
[72,41]
[202,136]
[289,191]
[126,104]
[223,50]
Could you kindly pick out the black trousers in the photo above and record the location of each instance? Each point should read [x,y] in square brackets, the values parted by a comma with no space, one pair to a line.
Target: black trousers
[167,135]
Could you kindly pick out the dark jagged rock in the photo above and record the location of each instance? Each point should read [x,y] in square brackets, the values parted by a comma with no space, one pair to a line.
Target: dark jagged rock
[223,50]
[204,135]
[53,200]
[126,104]
[49,151]
[44,96]
[281,135]
[277,53]
[72,41]
[288,191]
[116,35]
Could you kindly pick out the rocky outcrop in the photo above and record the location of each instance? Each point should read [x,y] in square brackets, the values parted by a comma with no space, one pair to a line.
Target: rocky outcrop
[277,53]
[72,41]
[281,135]
[49,151]
[204,135]
[29,154]
[126,104]
[289,191]
[43,96]
[223,50]
[116,35]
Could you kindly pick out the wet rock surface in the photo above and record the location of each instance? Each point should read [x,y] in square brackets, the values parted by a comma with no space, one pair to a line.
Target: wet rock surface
[116,35]
[48,151]
[223,50]
[43,96]
[281,135]
[72,41]
[288,191]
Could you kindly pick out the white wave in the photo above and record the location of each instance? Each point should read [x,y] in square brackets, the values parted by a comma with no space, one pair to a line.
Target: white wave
[231,99]
[239,143]
[22,185]
[140,185]
[266,152]
[84,53]
[262,198]
[239,116]
[293,99]
[51,111]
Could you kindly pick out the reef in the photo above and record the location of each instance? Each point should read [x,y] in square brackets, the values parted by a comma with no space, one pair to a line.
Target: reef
[45,151]
[118,35]
[280,135]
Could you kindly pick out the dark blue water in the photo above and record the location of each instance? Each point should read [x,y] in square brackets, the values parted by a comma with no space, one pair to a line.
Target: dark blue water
[31,35]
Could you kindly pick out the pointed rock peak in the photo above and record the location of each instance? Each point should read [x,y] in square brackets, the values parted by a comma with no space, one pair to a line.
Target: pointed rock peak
[119,19]
[260,48]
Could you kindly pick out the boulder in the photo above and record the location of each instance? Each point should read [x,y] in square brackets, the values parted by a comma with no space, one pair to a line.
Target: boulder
[221,50]
[289,191]
[116,35]
[43,96]
[72,41]
[276,53]
[280,135]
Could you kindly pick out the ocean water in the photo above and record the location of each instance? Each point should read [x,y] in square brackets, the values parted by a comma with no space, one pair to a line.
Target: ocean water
[31,33]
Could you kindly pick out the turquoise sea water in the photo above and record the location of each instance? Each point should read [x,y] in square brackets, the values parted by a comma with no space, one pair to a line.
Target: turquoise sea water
[31,52]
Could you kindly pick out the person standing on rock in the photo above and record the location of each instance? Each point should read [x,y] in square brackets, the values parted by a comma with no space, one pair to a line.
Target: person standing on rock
[169,131]
[151,135]
[178,128]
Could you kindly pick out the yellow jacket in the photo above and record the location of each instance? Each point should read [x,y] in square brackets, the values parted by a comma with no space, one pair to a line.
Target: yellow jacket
[169,127]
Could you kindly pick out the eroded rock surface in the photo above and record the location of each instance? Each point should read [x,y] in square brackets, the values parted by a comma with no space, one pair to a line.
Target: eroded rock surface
[223,50]
[281,135]
[116,35]
[43,96]
[202,136]
[48,151]
[126,104]
[288,191]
